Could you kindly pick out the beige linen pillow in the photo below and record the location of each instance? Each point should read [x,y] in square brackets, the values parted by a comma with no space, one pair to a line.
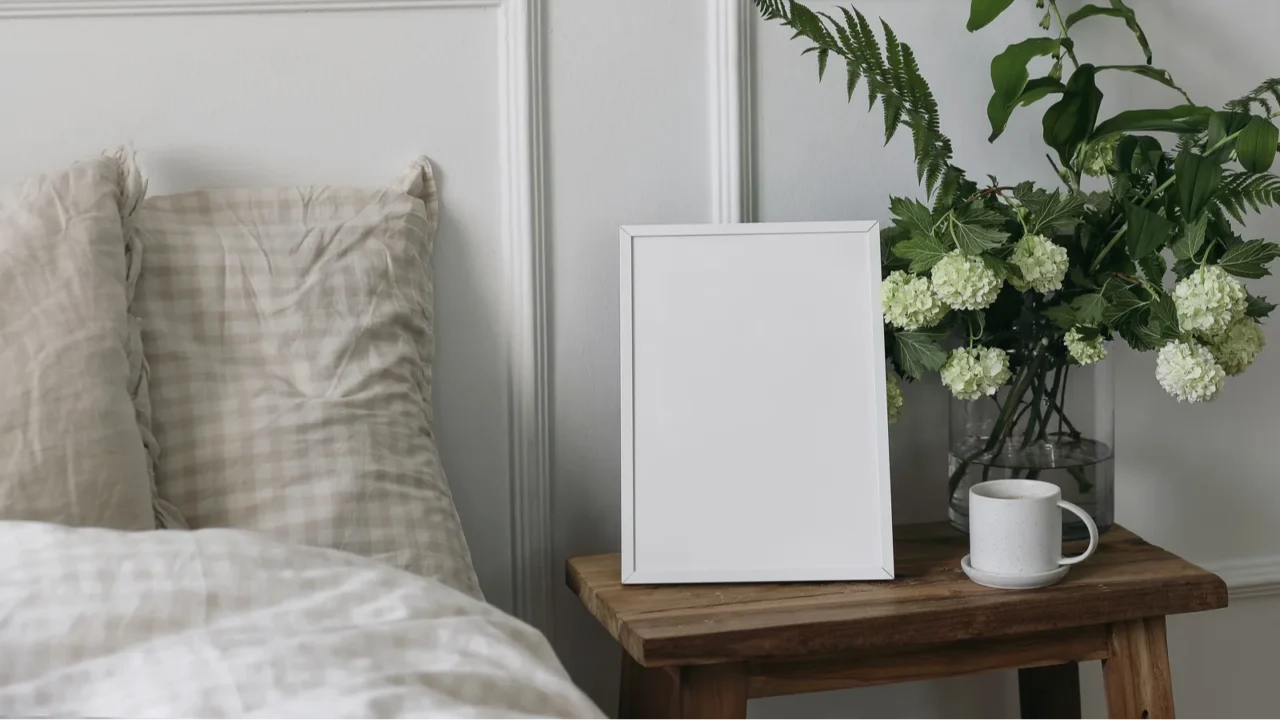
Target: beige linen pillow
[70,440]
[290,341]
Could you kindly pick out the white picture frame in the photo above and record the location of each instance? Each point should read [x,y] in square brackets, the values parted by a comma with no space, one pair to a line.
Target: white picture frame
[755,440]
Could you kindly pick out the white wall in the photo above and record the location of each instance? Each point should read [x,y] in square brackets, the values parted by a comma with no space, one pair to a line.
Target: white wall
[229,92]
[631,112]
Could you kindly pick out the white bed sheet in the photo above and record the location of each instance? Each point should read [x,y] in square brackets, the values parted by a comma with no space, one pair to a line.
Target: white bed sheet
[229,623]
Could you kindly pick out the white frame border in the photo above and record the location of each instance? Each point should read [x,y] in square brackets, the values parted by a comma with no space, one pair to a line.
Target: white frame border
[627,237]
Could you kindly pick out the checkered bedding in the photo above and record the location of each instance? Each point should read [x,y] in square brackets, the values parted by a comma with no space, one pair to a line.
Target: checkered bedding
[208,623]
[290,337]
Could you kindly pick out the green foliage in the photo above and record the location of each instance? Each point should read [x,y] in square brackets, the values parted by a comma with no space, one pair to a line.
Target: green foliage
[1258,307]
[892,77]
[1070,121]
[1180,119]
[1249,259]
[1256,146]
[1147,231]
[919,353]
[1198,179]
[1244,192]
[1009,77]
[982,12]
[1117,10]
[1263,96]
[1166,200]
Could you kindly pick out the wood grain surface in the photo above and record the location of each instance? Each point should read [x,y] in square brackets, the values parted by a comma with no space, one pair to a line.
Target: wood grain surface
[930,603]
[880,667]
[1136,671]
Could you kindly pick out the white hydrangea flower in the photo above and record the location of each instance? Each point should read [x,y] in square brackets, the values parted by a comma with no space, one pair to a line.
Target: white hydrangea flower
[1100,156]
[893,394]
[965,283]
[909,302]
[971,373]
[1237,347]
[1084,352]
[1043,263]
[1208,301]
[1187,371]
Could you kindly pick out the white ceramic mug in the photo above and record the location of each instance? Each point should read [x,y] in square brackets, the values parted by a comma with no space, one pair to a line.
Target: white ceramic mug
[1015,527]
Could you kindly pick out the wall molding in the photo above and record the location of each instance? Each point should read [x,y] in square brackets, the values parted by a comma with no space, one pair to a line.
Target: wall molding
[524,220]
[731,126]
[1249,577]
[106,8]
[521,87]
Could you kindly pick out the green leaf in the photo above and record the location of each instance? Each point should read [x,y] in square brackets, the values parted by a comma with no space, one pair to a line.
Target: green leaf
[1164,318]
[1009,78]
[1003,268]
[1131,20]
[924,251]
[1256,146]
[1258,307]
[1249,259]
[1151,73]
[1183,268]
[1221,126]
[1186,247]
[1061,315]
[1198,179]
[1147,233]
[912,215]
[1076,273]
[806,22]
[1040,87]
[1138,154]
[1117,10]
[1089,309]
[1139,335]
[1055,210]
[1121,306]
[975,239]
[1154,268]
[1180,119]
[1070,121]
[982,12]
[1089,11]
[919,353]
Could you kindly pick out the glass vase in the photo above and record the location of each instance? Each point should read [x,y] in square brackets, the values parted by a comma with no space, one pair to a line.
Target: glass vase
[1060,429]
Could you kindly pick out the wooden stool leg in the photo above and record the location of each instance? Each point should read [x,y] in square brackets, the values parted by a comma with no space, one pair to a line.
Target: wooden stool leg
[646,692]
[1136,673]
[1050,692]
[713,691]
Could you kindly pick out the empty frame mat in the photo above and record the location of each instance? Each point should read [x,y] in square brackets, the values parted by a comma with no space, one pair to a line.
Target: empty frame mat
[754,429]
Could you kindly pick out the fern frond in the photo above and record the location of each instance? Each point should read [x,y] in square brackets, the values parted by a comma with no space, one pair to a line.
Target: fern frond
[1243,192]
[1263,95]
[891,74]
[773,9]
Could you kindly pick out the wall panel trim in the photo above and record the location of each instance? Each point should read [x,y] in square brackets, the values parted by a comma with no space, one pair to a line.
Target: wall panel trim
[106,8]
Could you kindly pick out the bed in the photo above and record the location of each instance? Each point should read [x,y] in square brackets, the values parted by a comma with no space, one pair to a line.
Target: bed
[290,399]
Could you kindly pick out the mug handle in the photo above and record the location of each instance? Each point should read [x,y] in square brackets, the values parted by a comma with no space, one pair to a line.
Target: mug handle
[1093,533]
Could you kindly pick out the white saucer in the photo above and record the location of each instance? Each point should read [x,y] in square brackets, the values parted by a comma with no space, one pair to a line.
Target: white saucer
[1013,582]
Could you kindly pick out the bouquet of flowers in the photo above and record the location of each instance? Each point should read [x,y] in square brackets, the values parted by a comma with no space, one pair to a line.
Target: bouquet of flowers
[994,285]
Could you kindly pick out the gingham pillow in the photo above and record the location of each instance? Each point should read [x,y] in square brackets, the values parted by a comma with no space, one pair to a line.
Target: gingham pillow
[290,339]
[70,432]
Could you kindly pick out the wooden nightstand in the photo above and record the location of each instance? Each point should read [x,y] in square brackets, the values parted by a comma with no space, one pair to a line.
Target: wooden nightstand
[702,650]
